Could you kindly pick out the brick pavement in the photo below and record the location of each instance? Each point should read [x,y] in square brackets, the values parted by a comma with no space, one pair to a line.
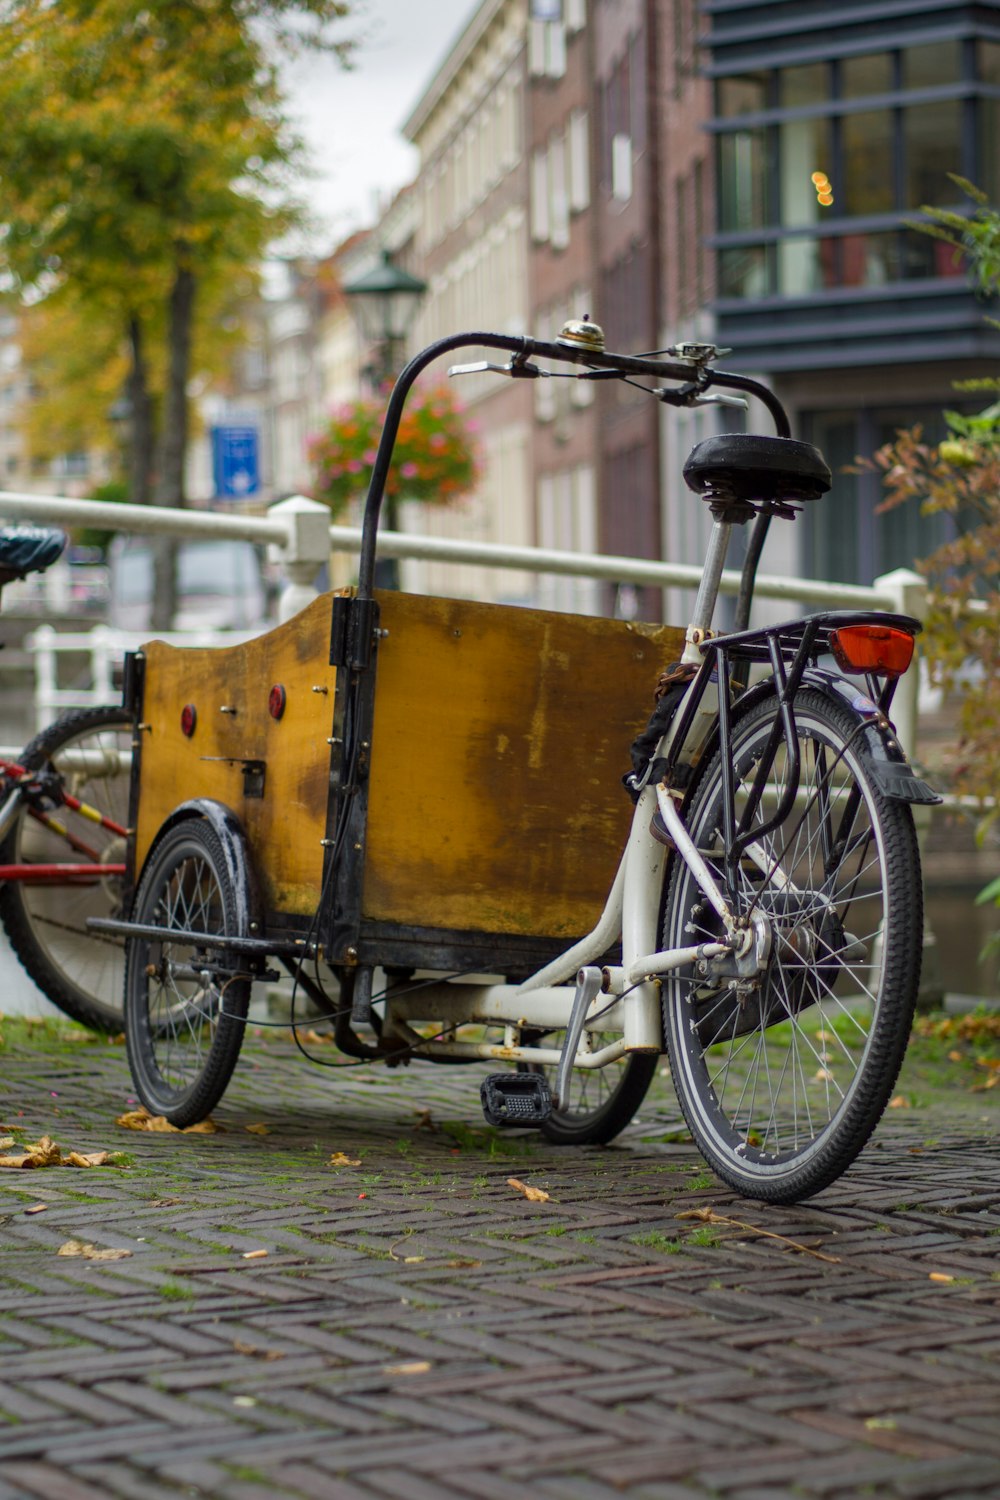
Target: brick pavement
[419,1329]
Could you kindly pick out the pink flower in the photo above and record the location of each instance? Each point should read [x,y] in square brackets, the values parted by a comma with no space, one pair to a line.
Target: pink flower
[409,471]
[355,466]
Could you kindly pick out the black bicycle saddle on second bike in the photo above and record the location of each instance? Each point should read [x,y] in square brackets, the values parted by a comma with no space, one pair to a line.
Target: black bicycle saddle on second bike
[28,549]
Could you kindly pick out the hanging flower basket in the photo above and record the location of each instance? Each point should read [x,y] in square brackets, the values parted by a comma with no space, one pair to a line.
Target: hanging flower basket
[434,460]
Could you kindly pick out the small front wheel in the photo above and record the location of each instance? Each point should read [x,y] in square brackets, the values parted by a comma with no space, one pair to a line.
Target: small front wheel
[185,1006]
[783,1079]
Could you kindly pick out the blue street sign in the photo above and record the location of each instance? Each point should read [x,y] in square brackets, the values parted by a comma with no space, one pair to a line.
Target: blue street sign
[235,462]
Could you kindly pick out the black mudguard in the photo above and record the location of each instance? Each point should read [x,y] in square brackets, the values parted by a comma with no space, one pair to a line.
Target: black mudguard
[235,848]
[876,738]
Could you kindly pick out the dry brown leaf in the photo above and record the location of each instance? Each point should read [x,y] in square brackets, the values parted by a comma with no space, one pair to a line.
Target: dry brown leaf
[36,1208]
[141,1119]
[87,1159]
[709,1216]
[533,1194]
[41,1153]
[256,1352]
[413,1260]
[259,1129]
[424,1120]
[341,1159]
[899,1101]
[462,1265]
[415,1367]
[6,1142]
[90,1252]
[254,1254]
[940,1276]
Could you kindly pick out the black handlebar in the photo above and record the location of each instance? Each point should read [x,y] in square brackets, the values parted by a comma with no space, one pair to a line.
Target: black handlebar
[697,375]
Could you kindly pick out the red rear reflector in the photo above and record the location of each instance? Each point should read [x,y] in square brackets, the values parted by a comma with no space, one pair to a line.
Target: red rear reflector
[880,649]
[276,700]
[189,718]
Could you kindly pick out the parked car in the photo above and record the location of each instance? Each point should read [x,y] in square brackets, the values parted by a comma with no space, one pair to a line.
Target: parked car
[220,585]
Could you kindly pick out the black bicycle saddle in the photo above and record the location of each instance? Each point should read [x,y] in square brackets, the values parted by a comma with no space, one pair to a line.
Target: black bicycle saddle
[751,467]
[29,549]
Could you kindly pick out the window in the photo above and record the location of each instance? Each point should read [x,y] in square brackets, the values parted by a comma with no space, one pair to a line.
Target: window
[805,85]
[871,74]
[932,142]
[868,185]
[745,95]
[840,141]
[743,180]
[621,167]
[579,160]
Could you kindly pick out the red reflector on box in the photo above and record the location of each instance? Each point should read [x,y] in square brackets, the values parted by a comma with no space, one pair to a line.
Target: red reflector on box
[881,649]
[189,719]
[276,700]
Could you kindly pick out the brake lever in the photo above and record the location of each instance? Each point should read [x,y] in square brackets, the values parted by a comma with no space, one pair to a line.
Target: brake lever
[516,369]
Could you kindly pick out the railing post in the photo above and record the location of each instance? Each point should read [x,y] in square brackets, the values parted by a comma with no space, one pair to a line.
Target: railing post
[909,595]
[305,551]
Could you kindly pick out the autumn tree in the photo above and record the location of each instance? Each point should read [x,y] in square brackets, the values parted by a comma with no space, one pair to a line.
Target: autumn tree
[146,152]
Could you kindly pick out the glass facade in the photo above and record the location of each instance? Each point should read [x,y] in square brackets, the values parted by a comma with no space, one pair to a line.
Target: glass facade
[819,163]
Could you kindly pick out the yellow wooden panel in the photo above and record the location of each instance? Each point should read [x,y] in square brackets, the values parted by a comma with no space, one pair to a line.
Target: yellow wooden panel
[500,739]
[286,826]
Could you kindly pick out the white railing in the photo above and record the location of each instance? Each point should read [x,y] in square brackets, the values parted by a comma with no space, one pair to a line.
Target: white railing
[301,537]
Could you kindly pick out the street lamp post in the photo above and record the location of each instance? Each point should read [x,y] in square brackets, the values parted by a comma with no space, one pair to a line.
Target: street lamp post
[384,302]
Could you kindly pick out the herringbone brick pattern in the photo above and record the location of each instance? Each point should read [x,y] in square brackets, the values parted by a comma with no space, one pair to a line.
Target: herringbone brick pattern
[419,1329]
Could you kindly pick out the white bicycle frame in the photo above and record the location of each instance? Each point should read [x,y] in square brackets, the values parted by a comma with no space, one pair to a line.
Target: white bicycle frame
[625,999]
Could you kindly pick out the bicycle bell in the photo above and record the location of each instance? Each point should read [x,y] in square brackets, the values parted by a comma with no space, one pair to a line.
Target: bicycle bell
[581,333]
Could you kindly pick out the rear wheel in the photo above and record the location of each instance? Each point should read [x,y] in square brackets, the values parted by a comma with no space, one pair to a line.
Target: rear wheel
[80,971]
[185,1005]
[783,1080]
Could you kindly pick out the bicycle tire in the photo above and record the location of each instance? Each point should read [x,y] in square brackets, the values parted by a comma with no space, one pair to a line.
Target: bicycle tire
[80,972]
[782,1087]
[599,1109]
[183,1031]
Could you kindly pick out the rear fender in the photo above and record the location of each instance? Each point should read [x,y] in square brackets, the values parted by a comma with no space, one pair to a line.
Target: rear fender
[236,852]
[874,736]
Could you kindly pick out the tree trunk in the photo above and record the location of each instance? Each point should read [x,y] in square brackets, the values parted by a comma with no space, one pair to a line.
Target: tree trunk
[140,443]
[173,436]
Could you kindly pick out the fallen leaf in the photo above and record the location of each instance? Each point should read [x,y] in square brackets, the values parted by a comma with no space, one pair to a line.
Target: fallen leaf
[413,1260]
[462,1265]
[822,1075]
[255,1352]
[415,1367]
[259,1129]
[42,1153]
[424,1120]
[254,1254]
[6,1142]
[341,1159]
[244,1401]
[899,1101]
[889,1424]
[940,1276]
[709,1216]
[141,1119]
[87,1159]
[533,1194]
[954,1057]
[36,1208]
[90,1252]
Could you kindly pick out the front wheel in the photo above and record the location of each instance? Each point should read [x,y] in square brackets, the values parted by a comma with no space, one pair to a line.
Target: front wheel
[783,1080]
[90,750]
[185,1006]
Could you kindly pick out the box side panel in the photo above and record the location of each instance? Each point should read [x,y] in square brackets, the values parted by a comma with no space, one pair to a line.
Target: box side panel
[286,824]
[500,739]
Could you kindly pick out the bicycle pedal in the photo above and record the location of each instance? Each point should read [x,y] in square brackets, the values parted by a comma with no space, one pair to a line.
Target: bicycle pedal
[516,1098]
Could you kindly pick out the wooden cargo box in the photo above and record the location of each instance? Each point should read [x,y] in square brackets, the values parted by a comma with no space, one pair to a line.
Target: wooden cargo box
[500,738]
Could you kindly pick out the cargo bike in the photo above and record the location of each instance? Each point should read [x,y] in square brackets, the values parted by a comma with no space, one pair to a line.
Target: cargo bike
[414,806]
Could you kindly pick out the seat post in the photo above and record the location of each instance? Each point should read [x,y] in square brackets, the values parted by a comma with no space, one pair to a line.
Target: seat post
[711,577]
